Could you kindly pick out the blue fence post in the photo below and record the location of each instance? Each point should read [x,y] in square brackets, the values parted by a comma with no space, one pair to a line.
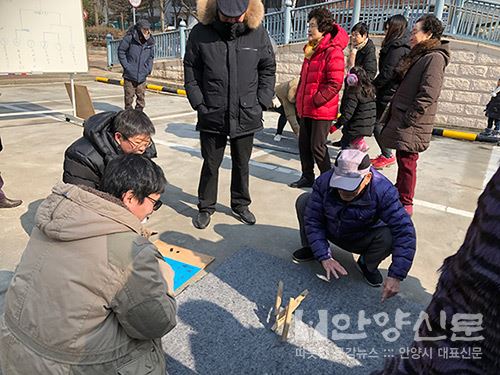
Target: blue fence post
[356,12]
[439,8]
[109,38]
[288,22]
[182,37]
[457,15]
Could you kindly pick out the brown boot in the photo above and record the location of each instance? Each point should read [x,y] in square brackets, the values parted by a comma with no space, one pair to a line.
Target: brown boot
[10,203]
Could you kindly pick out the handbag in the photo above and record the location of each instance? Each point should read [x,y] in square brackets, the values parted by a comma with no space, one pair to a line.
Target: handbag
[384,118]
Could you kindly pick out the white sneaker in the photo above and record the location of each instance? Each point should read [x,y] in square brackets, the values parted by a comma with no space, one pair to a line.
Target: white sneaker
[277,138]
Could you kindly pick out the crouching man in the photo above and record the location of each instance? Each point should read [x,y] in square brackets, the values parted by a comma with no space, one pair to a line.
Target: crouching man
[358,209]
[91,294]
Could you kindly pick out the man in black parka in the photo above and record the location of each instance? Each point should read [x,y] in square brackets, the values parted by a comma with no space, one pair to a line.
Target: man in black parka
[107,135]
[229,76]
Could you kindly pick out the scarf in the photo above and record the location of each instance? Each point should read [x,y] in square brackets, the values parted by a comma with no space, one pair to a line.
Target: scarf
[310,48]
[416,53]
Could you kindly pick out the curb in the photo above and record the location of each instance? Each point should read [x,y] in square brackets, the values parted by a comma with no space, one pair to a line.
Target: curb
[455,134]
[149,86]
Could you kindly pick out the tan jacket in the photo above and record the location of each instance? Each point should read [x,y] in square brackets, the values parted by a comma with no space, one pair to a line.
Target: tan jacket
[87,296]
[286,93]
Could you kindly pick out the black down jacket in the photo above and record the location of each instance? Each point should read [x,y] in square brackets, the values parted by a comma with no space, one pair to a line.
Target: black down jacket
[493,107]
[229,72]
[366,58]
[358,114]
[390,56]
[85,159]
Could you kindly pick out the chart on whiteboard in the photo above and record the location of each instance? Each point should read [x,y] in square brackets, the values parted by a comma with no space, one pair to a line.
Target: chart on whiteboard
[42,36]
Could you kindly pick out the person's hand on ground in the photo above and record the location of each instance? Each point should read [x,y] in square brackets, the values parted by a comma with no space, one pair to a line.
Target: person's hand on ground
[333,267]
[168,275]
[391,288]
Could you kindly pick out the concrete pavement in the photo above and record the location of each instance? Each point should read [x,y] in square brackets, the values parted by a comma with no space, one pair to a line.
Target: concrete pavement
[451,176]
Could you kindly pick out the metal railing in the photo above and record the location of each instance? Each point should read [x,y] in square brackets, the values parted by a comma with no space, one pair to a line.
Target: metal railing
[468,19]
[475,20]
[341,10]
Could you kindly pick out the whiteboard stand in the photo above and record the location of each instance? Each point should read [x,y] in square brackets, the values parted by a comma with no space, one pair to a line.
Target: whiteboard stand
[73,118]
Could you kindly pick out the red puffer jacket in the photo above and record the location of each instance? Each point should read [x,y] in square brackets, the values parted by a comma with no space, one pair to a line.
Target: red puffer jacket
[321,78]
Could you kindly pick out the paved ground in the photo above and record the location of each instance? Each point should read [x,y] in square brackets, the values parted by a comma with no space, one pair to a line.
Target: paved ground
[451,176]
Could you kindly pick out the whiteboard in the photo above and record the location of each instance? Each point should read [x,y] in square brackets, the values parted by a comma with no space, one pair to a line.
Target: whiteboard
[42,36]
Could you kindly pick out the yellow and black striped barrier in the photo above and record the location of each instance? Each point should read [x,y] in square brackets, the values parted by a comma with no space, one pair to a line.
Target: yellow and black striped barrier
[149,86]
[455,134]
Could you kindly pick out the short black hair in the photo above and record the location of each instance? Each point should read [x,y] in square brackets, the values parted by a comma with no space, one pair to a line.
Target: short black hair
[432,24]
[361,28]
[130,122]
[132,172]
[324,18]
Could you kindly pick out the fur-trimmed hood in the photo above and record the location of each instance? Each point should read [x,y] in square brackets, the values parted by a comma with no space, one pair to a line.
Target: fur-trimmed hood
[207,11]
[421,49]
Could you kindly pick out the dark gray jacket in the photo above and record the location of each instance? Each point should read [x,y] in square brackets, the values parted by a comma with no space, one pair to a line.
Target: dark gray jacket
[136,55]
[229,74]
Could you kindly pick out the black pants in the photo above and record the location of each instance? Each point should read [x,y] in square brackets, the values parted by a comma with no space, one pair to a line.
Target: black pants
[377,130]
[375,245]
[281,121]
[312,146]
[492,121]
[212,151]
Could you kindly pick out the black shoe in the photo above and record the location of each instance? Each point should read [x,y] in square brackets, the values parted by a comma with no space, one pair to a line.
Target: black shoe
[303,255]
[245,216]
[373,278]
[202,220]
[302,183]
[10,203]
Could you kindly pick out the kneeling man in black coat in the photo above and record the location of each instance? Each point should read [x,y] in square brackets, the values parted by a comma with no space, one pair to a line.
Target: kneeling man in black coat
[106,136]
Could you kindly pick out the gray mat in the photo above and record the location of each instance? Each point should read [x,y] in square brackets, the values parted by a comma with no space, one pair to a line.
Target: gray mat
[223,323]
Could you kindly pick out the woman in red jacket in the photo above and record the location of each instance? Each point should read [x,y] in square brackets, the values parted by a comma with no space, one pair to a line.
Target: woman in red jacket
[317,100]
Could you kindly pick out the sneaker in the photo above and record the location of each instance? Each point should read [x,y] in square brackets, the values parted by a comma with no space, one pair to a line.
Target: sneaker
[496,133]
[381,161]
[245,216]
[303,255]
[277,138]
[302,183]
[10,203]
[373,278]
[486,132]
[202,220]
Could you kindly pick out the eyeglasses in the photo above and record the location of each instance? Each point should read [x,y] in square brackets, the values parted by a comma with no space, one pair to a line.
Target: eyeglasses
[156,203]
[136,146]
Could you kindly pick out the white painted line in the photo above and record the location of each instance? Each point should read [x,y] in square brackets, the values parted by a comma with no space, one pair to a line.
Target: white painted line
[285,170]
[442,208]
[260,153]
[67,99]
[26,113]
[174,115]
[493,165]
